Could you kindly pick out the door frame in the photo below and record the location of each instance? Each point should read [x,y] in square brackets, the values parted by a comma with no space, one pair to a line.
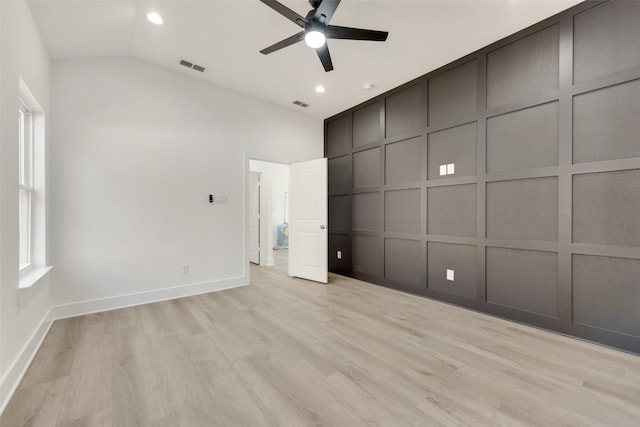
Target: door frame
[261,242]
[247,156]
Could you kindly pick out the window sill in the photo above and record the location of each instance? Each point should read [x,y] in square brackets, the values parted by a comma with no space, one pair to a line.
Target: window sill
[33,277]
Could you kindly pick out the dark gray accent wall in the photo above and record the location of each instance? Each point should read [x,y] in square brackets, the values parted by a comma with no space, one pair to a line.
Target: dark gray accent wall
[607,293]
[539,220]
[403,261]
[455,145]
[523,209]
[523,139]
[459,258]
[609,114]
[524,69]
[451,210]
[606,208]
[525,280]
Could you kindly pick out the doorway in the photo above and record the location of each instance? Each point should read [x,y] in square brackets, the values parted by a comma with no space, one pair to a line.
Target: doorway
[271,215]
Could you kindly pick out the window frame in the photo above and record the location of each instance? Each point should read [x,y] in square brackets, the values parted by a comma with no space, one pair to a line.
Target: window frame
[25,185]
[31,185]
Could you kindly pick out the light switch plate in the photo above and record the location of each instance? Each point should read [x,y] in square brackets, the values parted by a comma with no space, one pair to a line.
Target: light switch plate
[451,168]
[443,170]
[339,254]
[450,275]
[218,199]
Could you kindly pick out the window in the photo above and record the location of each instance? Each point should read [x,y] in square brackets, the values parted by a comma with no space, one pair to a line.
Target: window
[32,259]
[25,181]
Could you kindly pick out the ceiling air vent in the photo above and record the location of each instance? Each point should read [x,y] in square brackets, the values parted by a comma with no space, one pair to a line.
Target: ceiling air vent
[192,65]
[301,104]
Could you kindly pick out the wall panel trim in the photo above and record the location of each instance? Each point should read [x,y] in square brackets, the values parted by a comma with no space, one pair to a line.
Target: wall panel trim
[454,112]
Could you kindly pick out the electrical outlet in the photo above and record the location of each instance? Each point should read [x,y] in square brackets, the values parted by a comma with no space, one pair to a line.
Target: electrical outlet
[443,170]
[451,168]
[185,268]
[450,275]
[339,254]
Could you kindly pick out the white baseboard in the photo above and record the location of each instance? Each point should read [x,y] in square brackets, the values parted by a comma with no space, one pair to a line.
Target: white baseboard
[9,382]
[122,301]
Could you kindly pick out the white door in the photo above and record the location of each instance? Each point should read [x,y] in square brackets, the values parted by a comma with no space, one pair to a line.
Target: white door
[308,220]
[254,217]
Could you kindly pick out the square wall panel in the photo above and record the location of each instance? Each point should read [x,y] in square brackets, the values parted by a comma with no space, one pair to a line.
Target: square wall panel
[456,145]
[367,255]
[404,111]
[525,68]
[453,93]
[459,258]
[524,280]
[452,210]
[605,123]
[402,261]
[606,293]
[402,211]
[606,40]
[523,139]
[367,211]
[366,168]
[402,161]
[339,135]
[339,174]
[525,209]
[339,212]
[606,208]
[366,125]
[339,242]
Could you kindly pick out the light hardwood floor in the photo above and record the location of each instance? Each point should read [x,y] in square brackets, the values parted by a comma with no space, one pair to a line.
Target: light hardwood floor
[289,352]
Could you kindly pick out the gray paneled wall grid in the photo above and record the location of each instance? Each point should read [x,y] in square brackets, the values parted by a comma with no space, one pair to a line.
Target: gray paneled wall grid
[515,170]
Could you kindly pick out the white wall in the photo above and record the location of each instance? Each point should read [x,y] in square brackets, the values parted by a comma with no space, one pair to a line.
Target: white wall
[22,55]
[138,151]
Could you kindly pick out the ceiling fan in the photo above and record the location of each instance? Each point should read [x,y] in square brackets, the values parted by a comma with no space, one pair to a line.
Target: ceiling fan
[316,29]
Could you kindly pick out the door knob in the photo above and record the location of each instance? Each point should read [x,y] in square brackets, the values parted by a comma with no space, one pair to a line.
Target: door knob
[322,227]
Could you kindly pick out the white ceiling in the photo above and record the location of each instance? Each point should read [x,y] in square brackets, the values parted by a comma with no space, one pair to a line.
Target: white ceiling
[225,36]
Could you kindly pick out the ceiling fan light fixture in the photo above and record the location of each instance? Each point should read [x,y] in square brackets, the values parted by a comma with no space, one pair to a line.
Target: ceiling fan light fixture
[314,39]
[155,18]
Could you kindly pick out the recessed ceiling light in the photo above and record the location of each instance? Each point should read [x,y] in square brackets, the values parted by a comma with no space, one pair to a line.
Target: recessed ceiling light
[368,86]
[155,18]
[320,89]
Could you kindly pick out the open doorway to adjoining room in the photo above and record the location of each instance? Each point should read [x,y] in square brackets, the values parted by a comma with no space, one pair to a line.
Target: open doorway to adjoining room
[269,213]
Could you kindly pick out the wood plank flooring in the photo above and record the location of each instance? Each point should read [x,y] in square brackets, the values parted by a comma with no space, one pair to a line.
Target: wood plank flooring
[287,352]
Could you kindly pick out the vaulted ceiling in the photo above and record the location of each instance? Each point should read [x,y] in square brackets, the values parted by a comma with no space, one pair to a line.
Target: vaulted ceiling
[225,36]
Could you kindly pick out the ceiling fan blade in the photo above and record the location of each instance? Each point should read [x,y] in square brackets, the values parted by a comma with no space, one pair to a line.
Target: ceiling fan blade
[326,8]
[335,32]
[286,12]
[325,57]
[283,43]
